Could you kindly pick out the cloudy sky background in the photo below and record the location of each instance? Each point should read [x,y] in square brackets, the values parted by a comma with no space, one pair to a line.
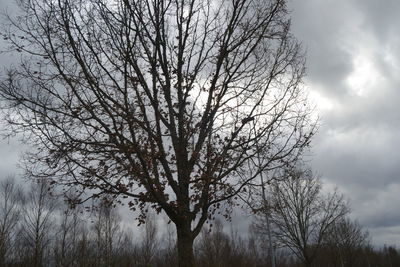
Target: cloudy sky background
[353,60]
[353,65]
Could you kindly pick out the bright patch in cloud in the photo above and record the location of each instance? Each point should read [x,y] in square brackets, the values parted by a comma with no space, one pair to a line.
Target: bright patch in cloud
[365,76]
[321,102]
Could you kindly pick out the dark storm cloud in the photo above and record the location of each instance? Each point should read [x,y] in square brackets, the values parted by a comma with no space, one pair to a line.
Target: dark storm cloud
[353,63]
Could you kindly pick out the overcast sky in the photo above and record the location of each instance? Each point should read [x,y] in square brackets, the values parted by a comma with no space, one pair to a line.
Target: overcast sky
[353,60]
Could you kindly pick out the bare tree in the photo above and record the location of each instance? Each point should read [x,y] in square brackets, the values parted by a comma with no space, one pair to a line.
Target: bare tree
[346,238]
[302,215]
[216,248]
[11,201]
[69,228]
[158,101]
[149,244]
[107,233]
[168,244]
[213,245]
[37,223]
[87,254]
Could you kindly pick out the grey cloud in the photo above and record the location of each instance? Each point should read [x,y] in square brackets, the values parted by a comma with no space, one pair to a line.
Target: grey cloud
[6,7]
[386,235]
[357,144]
[381,210]
[9,154]
[320,25]
[382,17]
[9,149]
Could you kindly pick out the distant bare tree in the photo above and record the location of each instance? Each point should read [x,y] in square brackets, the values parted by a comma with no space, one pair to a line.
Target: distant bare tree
[86,249]
[149,244]
[157,101]
[168,244]
[346,239]
[301,214]
[127,252]
[214,245]
[37,223]
[254,246]
[11,201]
[68,231]
[107,233]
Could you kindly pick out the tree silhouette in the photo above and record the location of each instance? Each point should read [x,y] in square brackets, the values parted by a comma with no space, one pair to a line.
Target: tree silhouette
[159,102]
[11,201]
[301,215]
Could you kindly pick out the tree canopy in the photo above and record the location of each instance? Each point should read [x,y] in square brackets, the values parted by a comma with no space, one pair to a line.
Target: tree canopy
[165,103]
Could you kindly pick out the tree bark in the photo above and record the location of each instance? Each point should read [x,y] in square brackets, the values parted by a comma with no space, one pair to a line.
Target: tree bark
[185,245]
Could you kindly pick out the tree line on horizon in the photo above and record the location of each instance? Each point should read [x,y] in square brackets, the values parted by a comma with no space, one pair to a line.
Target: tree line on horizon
[38,228]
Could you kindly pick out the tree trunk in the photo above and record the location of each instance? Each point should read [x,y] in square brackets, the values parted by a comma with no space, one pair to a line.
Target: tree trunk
[185,245]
